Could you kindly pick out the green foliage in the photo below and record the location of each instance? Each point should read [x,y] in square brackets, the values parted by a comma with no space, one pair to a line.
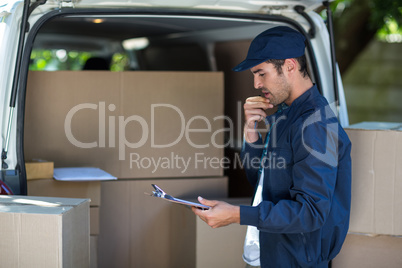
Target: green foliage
[391,31]
[386,10]
[385,15]
[52,60]
[119,62]
[57,60]
[388,13]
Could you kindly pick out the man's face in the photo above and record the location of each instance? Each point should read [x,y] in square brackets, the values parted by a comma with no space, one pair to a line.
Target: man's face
[274,86]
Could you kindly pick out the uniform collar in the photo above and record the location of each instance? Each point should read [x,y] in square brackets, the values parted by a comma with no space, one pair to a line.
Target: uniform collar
[283,107]
[310,93]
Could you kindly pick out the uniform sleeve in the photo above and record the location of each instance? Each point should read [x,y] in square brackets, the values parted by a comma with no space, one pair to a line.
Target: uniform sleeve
[315,159]
[251,158]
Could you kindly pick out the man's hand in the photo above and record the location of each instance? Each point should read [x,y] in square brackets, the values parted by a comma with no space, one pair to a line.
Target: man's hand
[220,214]
[254,111]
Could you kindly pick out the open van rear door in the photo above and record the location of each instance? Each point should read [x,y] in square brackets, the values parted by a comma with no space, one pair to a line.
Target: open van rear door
[12,176]
[15,14]
[14,26]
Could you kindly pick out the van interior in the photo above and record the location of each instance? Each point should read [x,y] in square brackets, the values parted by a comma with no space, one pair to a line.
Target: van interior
[151,42]
[83,43]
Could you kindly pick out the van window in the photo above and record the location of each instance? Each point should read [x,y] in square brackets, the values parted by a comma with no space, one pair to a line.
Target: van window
[73,60]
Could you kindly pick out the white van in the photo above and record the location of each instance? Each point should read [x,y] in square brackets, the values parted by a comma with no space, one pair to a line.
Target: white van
[156,35]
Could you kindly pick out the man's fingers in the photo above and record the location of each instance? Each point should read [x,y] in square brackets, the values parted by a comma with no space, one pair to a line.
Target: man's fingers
[251,121]
[256,115]
[254,109]
[257,99]
[257,105]
[207,202]
[198,212]
[220,214]
[258,102]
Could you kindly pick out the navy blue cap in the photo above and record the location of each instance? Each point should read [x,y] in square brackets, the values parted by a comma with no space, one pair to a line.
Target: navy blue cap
[277,43]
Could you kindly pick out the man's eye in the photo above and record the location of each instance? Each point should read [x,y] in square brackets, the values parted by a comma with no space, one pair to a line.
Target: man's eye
[261,75]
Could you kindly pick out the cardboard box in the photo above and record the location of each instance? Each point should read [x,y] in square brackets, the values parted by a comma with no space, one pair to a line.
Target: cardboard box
[69,189]
[44,232]
[39,170]
[369,252]
[195,244]
[94,220]
[93,242]
[135,228]
[130,124]
[376,178]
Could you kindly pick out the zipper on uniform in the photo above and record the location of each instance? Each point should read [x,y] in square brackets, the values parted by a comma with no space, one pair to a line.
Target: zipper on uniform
[306,247]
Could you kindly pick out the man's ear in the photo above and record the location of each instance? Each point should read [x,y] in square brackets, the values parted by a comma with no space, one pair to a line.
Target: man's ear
[290,65]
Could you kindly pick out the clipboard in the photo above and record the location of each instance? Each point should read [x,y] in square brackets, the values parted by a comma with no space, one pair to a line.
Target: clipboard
[161,194]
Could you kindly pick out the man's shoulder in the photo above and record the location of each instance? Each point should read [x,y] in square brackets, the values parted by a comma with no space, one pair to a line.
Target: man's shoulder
[315,111]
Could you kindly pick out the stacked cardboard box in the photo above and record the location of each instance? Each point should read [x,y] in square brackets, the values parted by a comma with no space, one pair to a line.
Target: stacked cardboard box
[72,189]
[164,126]
[39,169]
[137,228]
[93,252]
[198,245]
[44,232]
[44,185]
[376,178]
[370,251]
[129,124]
[376,202]
[69,189]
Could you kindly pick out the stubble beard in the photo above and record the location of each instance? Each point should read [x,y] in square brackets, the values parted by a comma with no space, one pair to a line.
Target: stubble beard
[281,95]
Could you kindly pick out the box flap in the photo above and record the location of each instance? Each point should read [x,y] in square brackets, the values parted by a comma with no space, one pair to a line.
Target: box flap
[29,209]
[377,126]
[41,201]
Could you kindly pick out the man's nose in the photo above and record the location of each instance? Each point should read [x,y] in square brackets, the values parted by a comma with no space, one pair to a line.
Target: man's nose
[257,83]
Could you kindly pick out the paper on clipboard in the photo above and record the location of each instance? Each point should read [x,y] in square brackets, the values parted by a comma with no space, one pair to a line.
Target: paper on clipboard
[161,194]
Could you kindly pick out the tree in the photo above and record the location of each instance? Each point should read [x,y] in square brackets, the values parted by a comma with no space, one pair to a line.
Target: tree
[357,22]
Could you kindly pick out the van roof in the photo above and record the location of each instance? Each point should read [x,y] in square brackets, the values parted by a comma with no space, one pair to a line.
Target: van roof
[244,6]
